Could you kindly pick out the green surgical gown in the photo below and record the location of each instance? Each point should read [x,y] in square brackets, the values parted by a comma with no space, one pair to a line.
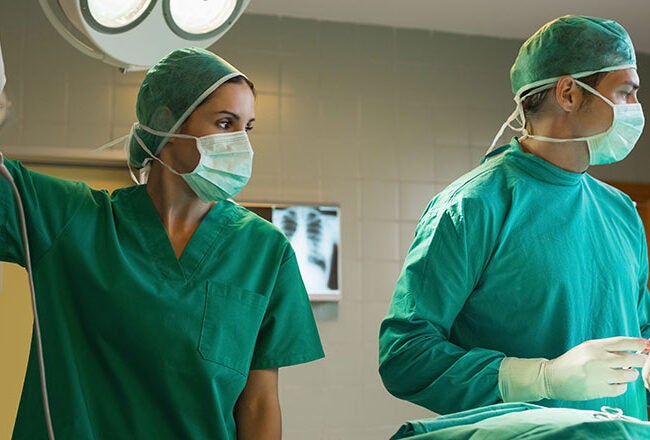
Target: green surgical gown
[516,258]
[525,421]
[137,343]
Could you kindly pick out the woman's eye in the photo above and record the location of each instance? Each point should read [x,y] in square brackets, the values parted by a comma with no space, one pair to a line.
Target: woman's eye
[249,128]
[224,125]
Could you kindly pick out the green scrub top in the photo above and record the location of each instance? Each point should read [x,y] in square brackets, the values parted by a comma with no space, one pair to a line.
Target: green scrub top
[516,258]
[137,343]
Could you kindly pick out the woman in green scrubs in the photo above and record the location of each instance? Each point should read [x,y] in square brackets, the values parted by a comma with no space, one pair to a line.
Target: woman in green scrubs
[165,308]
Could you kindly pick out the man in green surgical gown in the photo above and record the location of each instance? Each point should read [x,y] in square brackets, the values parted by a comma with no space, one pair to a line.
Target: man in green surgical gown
[527,277]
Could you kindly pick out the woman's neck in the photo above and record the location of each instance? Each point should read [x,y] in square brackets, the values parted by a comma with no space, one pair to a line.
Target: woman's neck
[178,207]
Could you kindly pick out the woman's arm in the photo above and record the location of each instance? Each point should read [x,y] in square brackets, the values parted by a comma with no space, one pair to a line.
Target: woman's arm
[257,412]
[49,203]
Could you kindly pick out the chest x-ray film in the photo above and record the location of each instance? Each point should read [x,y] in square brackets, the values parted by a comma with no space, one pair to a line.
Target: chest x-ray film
[314,233]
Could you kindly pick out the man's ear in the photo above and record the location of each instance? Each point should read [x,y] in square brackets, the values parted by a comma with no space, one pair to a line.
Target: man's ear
[568,94]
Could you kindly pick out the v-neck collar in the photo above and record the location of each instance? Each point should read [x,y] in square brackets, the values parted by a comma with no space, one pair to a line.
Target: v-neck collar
[202,243]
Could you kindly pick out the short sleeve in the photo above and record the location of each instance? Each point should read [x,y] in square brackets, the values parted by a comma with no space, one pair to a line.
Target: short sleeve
[288,334]
[49,204]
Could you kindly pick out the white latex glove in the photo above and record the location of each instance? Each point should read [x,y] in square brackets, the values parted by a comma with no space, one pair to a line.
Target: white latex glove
[591,370]
[645,373]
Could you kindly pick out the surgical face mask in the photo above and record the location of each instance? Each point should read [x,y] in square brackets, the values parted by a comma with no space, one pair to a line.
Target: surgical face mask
[615,143]
[610,146]
[224,167]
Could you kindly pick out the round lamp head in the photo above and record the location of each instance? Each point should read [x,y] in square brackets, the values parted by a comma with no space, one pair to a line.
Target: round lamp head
[136,34]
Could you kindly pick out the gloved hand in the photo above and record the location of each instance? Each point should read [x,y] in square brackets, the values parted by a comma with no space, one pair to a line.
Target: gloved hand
[645,373]
[593,369]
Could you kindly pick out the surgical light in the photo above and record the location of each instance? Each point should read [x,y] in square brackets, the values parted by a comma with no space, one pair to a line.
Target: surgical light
[136,34]
[115,14]
[195,18]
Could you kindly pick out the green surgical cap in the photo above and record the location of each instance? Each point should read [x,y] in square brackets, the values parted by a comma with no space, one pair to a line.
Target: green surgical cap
[170,92]
[571,45]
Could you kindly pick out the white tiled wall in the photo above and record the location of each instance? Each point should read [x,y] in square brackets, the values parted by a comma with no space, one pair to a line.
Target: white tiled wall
[373,118]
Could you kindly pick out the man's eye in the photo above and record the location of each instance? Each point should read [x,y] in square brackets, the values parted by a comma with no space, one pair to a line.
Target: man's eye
[627,93]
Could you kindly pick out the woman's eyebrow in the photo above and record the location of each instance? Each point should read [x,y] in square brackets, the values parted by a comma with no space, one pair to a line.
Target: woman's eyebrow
[234,115]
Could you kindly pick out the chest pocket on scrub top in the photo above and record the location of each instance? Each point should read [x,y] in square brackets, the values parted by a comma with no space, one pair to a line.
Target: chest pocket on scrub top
[231,323]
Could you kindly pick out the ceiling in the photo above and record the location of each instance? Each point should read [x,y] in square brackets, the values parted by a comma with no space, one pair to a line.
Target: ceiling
[497,18]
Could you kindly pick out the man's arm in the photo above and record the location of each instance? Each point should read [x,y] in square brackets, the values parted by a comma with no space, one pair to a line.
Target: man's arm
[417,361]
[257,412]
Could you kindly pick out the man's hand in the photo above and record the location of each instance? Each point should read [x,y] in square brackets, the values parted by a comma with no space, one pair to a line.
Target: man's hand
[591,370]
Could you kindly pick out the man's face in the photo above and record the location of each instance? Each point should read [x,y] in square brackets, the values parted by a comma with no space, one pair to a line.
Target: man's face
[620,87]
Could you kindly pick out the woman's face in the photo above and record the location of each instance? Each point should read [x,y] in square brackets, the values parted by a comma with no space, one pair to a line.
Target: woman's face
[228,109]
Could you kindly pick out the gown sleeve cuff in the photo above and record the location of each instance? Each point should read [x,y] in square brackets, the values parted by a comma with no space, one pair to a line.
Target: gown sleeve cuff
[522,380]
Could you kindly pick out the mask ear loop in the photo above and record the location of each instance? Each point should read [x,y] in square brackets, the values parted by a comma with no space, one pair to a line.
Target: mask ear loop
[110,144]
[125,147]
[127,151]
[144,172]
[588,88]
[516,115]
[144,147]
[582,138]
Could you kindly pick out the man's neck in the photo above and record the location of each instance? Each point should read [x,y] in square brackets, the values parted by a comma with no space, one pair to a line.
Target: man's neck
[569,156]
